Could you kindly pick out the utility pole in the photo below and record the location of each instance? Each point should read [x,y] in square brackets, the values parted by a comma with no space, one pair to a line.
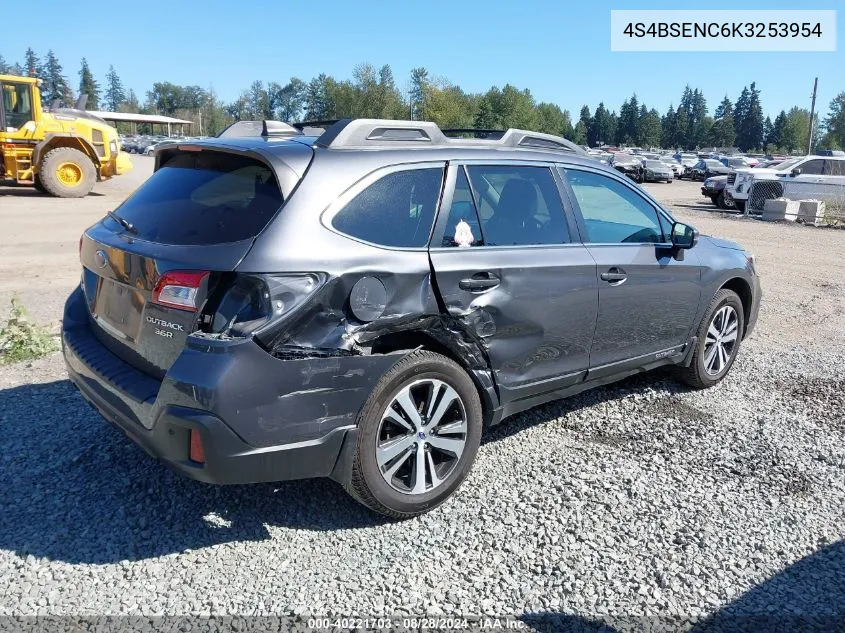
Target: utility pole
[812,116]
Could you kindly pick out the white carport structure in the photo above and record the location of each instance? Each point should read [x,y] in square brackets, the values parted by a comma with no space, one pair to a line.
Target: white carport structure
[149,119]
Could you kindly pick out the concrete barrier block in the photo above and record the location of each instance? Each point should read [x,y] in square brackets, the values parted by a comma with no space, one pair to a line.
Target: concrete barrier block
[780,209]
[811,212]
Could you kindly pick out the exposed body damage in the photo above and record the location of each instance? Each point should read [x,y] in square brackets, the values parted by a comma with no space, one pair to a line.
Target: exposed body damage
[291,307]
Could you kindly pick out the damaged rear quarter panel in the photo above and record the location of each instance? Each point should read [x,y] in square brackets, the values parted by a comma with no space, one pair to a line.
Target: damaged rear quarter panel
[268,401]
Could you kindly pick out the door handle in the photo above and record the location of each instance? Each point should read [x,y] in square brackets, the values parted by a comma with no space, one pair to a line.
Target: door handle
[614,275]
[479,282]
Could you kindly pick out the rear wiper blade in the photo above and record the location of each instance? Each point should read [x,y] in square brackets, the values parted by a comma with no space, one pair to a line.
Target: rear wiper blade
[126,224]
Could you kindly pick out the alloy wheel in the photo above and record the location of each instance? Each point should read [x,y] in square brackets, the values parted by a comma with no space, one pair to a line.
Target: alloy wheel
[720,341]
[421,436]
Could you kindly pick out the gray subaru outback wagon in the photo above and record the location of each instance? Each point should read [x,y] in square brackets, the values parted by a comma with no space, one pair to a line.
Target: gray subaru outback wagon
[360,304]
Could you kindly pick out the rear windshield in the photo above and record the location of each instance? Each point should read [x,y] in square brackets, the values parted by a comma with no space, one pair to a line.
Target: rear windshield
[203,198]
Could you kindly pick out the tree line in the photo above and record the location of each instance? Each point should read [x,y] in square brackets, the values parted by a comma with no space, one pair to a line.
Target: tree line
[373,92]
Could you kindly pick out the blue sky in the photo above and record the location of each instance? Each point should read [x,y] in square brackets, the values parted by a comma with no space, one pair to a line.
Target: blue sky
[559,50]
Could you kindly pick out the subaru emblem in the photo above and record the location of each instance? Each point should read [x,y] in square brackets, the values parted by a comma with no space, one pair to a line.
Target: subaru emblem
[101,259]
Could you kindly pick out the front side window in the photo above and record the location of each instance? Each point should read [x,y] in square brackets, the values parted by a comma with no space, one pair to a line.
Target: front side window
[395,211]
[812,167]
[613,213]
[518,205]
[17,105]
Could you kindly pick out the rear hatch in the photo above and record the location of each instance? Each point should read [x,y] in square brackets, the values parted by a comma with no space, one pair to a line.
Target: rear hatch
[149,268]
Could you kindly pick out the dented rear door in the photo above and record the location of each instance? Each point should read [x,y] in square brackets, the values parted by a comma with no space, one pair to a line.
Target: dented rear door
[523,282]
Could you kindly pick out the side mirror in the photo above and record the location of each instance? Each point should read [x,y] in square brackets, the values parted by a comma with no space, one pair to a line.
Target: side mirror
[683,235]
[796,171]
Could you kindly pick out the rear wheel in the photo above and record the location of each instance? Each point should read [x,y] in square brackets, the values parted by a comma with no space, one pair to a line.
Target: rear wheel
[717,342]
[418,435]
[66,172]
[722,202]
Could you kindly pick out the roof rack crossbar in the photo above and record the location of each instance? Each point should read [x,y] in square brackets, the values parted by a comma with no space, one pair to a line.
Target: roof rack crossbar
[362,133]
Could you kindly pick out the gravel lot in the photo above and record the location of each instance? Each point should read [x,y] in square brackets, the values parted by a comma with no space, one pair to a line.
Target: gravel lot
[641,499]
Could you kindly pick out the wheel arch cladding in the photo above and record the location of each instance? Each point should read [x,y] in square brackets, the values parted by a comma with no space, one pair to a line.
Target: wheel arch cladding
[55,141]
[743,289]
[446,337]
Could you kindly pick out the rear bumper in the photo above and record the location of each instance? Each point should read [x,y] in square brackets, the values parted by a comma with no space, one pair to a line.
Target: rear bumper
[260,418]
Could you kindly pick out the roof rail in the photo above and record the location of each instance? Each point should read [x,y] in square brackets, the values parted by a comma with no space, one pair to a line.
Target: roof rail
[265,128]
[362,133]
[347,133]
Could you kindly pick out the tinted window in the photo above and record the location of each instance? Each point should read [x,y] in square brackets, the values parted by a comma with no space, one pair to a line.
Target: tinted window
[463,227]
[613,212]
[203,198]
[834,167]
[17,105]
[812,167]
[518,205]
[396,210]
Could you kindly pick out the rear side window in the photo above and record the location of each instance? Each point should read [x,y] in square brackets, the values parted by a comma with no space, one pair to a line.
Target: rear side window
[463,227]
[518,205]
[396,210]
[203,198]
[834,168]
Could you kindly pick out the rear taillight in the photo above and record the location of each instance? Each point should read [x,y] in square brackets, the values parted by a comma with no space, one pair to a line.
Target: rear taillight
[179,289]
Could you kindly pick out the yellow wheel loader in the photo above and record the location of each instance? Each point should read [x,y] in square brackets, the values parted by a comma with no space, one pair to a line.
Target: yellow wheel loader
[62,152]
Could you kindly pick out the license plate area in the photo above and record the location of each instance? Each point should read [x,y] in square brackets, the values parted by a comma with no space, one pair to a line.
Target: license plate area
[118,308]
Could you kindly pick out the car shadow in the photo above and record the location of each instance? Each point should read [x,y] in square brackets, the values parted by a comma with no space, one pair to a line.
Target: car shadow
[808,596]
[76,489]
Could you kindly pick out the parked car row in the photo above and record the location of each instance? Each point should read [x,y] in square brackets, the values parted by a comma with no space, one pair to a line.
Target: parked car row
[146,144]
[798,178]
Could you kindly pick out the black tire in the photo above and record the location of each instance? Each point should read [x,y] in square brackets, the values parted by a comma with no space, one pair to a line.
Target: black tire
[367,485]
[713,200]
[697,375]
[39,187]
[740,205]
[722,203]
[80,165]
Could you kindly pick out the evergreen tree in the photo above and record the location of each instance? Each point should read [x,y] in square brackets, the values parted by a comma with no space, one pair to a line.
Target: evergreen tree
[317,99]
[602,127]
[5,68]
[722,132]
[419,83]
[753,125]
[89,86]
[55,86]
[669,128]
[649,127]
[115,95]
[32,65]
[627,132]
[835,123]
[582,128]
[768,127]
[776,134]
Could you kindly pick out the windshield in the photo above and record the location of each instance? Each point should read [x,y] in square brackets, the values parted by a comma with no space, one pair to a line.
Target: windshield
[788,164]
[654,163]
